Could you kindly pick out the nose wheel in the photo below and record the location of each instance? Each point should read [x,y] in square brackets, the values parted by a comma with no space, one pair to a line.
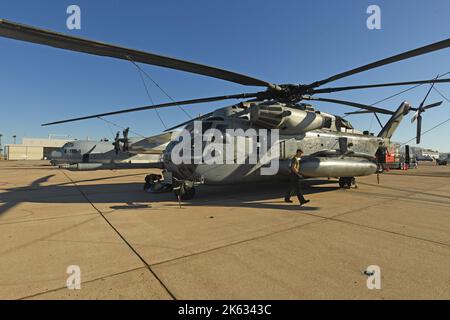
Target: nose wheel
[347,182]
[184,190]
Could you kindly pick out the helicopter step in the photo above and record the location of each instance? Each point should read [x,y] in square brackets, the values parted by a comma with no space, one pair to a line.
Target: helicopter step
[184,189]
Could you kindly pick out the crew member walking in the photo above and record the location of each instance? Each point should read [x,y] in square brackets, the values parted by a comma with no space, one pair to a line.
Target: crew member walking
[380,156]
[294,180]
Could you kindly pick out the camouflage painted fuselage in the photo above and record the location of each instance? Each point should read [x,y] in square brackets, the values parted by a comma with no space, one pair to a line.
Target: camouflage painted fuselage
[323,156]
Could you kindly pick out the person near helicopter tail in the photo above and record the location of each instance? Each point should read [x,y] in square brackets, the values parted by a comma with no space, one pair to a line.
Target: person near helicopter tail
[295,180]
[380,156]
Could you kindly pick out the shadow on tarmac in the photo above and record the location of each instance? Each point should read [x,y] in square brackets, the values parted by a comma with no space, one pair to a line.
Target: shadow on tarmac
[131,194]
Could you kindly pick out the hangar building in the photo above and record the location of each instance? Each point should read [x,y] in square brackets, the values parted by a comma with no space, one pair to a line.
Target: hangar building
[33,148]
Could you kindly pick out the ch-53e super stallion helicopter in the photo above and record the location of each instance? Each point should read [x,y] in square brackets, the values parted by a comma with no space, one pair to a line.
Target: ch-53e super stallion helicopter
[332,147]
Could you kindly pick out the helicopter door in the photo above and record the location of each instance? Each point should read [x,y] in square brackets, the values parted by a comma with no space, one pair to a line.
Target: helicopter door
[288,149]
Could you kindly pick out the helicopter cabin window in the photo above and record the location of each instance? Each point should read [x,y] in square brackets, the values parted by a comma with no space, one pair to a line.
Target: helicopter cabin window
[343,125]
[74,151]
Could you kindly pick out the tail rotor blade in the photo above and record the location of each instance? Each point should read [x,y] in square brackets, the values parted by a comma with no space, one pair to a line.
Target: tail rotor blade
[117,142]
[432,105]
[419,129]
[415,116]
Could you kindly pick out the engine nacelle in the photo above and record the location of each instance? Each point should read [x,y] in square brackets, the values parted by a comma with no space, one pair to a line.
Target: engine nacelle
[290,120]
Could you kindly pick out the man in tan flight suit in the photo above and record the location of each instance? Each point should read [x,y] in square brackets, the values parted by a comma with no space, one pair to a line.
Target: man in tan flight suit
[294,180]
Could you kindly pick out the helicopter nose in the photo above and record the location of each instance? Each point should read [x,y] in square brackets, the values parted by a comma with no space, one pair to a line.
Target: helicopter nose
[56,154]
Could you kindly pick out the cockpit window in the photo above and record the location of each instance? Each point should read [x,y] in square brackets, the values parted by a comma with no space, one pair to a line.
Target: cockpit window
[206,125]
[327,122]
[222,127]
[215,119]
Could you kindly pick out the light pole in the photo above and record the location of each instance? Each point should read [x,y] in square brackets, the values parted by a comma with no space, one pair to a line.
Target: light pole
[14,137]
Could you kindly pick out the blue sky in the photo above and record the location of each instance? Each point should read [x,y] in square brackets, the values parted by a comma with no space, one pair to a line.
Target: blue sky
[278,41]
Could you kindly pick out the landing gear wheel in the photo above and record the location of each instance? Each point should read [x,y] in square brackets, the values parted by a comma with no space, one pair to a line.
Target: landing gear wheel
[190,194]
[347,182]
[184,191]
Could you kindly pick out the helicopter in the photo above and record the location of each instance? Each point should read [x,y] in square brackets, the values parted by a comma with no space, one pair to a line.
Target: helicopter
[121,151]
[332,146]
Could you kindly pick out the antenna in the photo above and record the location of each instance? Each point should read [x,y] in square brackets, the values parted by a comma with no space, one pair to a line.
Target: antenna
[55,135]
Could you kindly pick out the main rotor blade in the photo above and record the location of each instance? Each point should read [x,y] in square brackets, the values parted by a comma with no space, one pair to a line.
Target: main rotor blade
[350,104]
[428,93]
[206,115]
[189,121]
[27,33]
[336,89]
[156,106]
[92,149]
[402,56]
[363,112]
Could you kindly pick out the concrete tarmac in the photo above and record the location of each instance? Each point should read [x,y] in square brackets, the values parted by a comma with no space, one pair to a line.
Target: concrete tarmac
[229,242]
